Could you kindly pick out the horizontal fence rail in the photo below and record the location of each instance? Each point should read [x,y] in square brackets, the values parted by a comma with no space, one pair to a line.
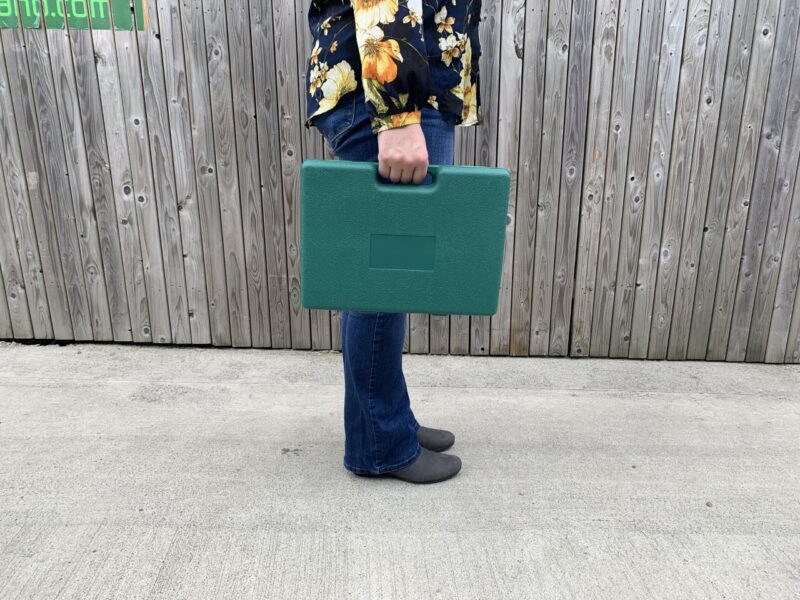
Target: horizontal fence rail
[150,154]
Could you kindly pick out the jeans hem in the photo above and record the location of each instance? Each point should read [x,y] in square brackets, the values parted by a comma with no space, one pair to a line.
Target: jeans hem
[387,469]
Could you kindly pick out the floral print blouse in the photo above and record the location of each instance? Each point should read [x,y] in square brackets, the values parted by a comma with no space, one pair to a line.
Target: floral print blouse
[404,54]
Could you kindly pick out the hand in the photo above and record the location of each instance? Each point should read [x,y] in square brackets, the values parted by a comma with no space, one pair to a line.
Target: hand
[403,154]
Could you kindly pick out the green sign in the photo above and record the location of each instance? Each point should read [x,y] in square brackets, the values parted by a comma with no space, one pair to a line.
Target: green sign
[75,14]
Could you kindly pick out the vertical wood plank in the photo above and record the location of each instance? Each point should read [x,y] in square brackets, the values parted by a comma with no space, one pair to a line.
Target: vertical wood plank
[35,224]
[6,331]
[19,252]
[779,150]
[772,252]
[124,189]
[725,33]
[788,281]
[167,203]
[313,147]
[459,324]
[616,176]
[66,91]
[747,178]
[103,192]
[599,107]
[658,174]
[239,282]
[180,151]
[205,168]
[793,345]
[743,57]
[291,148]
[512,44]
[682,155]
[56,169]
[244,113]
[569,203]
[558,38]
[485,136]
[270,166]
[638,165]
[145,196]
[527,190]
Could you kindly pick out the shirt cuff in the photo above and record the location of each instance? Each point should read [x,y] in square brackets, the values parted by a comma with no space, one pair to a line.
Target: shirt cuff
[382,123]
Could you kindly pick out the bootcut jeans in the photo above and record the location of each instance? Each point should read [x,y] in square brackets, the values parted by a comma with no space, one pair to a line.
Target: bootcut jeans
[379,425]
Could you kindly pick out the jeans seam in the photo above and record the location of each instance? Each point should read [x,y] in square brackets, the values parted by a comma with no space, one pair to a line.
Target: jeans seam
[369,389]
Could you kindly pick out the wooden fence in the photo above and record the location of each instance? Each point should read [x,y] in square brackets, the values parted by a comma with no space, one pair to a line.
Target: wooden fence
[149,177]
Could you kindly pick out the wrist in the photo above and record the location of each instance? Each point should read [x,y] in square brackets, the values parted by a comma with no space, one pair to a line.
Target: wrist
[385,122]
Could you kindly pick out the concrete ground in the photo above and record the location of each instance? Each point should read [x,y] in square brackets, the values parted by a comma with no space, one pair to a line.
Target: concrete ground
[136,472]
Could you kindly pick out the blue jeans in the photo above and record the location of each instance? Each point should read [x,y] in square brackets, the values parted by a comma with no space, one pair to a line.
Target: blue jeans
[379,425]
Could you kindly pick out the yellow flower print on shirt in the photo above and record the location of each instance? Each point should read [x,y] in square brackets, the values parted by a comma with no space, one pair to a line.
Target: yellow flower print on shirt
[414,16]
[318,76]
[378,56]
[443,22]
[315,52]
[340,80]
[369,13]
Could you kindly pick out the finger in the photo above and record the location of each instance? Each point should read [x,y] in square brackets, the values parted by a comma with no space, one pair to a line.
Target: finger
[384,170]
[419,174]
[395,174]
[407,175]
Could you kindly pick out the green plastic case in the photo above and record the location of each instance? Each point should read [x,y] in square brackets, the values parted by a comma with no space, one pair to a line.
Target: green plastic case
[370,246]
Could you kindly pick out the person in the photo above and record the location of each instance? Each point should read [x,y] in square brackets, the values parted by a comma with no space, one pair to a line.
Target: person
[388,80]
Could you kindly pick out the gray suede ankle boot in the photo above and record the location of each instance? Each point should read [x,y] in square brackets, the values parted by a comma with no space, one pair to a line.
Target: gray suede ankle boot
[430,467]
[436,440]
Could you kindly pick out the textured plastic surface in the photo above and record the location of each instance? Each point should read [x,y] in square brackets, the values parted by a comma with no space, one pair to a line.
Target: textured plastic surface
[371,246]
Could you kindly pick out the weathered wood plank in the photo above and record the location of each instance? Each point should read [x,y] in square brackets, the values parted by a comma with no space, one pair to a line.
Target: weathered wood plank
[205,169]
[313,147]
[6,331]
[638,164]
[419,341]
[289,121]
[762,297]
[166,202]
[569,203]
[177,121]
[35,224]
[464,154]
[788,282]
[486,137]
[270,167]
[661,147]
[80,183]
[244,113]
[144,189]
[57,173]
[19,252]
[508,125]
[124,189]
[682,157]
[722,29]
[597,134]
[239,281]
[527,188]
[793,345]
[669,71]
[14,304]
[743,58]
[769,206]
[616,175]
[754,178]
[558,38]
[103,192]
